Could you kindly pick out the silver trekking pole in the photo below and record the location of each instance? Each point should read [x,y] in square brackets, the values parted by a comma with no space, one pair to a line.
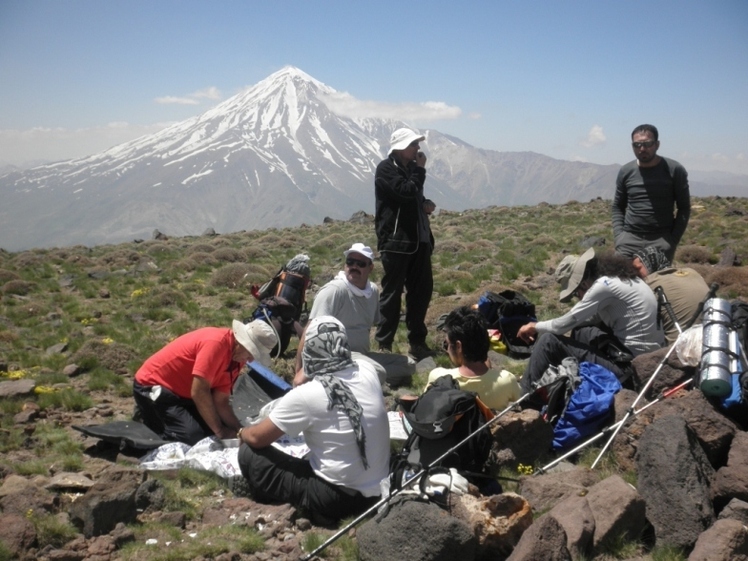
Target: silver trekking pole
[607,430]
[631,409]
[416,478]
[668,308]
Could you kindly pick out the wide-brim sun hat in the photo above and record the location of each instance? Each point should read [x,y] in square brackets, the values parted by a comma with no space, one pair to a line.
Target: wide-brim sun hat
[402,138]
[257,337]
[570,273]
[362,249]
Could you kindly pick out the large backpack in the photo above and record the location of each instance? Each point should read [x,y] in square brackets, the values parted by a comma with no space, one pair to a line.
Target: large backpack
[283,299]
[507,311]
[438,420]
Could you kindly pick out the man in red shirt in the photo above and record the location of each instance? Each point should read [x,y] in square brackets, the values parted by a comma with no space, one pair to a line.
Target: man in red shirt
[183,390]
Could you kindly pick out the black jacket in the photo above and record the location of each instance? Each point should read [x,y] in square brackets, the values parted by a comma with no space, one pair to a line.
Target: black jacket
[399,206]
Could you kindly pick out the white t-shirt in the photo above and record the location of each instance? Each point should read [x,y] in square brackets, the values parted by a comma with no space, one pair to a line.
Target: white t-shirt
[334,455]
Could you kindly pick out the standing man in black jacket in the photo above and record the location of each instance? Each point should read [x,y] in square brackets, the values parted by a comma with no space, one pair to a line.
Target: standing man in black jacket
[404,241]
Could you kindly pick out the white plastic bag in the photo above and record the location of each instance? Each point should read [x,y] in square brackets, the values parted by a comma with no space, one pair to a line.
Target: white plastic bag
[688,346]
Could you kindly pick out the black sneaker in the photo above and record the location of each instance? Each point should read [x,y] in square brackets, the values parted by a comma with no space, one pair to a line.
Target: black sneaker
[421,351]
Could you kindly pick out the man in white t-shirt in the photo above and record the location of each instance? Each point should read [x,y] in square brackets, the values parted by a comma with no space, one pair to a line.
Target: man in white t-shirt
[341,413]
[353,299]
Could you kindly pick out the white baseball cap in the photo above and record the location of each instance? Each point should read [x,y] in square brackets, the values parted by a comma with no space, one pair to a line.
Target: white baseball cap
[364,250]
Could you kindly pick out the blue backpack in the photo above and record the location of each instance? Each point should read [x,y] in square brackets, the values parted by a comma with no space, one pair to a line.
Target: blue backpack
[589,407]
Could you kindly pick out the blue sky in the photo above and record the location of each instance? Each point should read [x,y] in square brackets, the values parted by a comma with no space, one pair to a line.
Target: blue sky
[569,79]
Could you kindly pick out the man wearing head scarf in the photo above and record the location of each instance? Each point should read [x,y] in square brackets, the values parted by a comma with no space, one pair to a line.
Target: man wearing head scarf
[684,289]
[616,312]
[354,300]
[341,413]
[404,241]
[182,392]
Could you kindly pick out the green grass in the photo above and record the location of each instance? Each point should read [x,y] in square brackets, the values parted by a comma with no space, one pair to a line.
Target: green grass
[115,313]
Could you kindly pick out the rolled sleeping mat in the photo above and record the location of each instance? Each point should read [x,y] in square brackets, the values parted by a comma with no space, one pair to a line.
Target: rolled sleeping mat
[716,357]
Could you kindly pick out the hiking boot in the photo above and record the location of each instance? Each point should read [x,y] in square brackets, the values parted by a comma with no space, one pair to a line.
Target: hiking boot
[420,351]
[239,486]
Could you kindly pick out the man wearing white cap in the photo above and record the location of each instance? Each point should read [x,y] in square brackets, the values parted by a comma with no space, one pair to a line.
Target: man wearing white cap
[404,241]
[354,300]
[183,391]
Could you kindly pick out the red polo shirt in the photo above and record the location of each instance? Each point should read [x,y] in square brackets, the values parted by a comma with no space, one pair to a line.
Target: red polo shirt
[204,352]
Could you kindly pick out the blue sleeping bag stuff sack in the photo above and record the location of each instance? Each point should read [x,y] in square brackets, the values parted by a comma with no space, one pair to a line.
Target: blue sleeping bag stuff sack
[589,406]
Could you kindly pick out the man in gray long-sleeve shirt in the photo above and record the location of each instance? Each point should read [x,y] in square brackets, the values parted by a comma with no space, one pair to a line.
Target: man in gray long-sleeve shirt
[647,191]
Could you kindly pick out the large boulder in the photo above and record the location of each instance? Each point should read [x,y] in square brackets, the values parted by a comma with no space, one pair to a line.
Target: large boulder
[576,518]
[417,531]
[544,540]
[735,509]
[111,500]
[544,491]
[618,511]
[713,430]
[672,372]
[731,481]
[498,522]
[673,478]
[726,540]
[17,533]
[521,437]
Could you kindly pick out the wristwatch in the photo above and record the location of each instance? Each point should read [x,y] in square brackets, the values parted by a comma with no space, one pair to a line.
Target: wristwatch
[239,434]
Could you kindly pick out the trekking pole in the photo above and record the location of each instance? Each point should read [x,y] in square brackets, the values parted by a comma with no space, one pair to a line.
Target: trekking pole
[417,477]
[709,295]
[668,308]
[630,410]
[606,430]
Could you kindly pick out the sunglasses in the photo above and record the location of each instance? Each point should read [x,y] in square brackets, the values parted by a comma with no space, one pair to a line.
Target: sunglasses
[350,262]
[645,144]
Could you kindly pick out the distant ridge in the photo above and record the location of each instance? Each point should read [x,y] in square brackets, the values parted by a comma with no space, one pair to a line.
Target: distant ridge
[273,155]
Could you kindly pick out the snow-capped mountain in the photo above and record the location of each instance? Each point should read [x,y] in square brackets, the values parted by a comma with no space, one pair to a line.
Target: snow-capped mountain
[273,155]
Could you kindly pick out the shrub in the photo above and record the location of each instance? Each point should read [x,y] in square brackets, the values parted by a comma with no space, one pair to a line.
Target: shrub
[7,276]
[113,356]
[228,254]
[201,248]
[18,287]
[693,254]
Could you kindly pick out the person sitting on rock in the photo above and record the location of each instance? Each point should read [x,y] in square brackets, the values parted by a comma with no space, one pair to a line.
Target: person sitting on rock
[614,320]
[183,391]
[341,413]
[353,299]
[684,288]
[467,345]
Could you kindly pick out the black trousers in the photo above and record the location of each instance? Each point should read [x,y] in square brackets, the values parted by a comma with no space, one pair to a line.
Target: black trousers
[551,350]
[170,416]
[275,476]
[411,272]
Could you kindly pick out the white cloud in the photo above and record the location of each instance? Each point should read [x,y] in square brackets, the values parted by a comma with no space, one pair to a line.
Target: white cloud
[211,93]
[595,137]
[39,145]
[346,105]
[173,100]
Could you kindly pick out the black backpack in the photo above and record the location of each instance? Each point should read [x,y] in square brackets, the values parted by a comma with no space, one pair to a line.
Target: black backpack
[438,420]
[507,311]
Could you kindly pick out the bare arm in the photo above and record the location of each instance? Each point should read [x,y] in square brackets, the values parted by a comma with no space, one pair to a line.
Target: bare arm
[300,377]
[222,403]
[261,435]
[203,398]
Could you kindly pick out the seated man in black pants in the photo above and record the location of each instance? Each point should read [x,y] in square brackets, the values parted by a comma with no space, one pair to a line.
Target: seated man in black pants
[341,412]
[616,312]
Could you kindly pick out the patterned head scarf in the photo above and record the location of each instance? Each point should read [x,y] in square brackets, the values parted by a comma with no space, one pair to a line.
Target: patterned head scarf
[326,352]
[653,258]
